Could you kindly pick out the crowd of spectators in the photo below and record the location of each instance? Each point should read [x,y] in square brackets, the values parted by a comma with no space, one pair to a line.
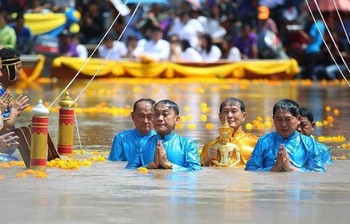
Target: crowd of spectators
[193,30]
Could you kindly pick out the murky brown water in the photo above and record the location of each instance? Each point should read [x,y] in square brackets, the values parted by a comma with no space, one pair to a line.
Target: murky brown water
[108,193]
[97,129]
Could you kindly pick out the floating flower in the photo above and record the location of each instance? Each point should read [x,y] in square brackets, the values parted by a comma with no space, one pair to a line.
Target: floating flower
[21,175]
[192,126]
[327,108]
[336,112]
[209,126]
[248,126]
[142,170]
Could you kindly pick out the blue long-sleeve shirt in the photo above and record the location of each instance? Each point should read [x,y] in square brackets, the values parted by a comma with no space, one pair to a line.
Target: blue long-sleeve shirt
[182,152]
[325,153]
[126,144]
[302,150]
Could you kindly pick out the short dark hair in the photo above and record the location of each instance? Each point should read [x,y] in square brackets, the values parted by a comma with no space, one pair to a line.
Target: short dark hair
[147,100]
[170,104]
[232,101]
[9,53]
[287,105]
[305,112]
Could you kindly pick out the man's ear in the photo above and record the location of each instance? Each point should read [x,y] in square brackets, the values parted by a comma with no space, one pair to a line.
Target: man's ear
[244,116]
[313,125]
[299,119]
[177,119]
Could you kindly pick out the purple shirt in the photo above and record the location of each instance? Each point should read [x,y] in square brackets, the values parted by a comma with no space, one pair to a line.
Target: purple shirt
[244,44]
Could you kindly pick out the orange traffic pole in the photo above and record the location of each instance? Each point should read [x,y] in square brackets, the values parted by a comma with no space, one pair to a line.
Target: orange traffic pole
[66,126]
[40,121]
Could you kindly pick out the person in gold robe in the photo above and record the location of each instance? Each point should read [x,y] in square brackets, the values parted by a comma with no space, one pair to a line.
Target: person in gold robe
[227,149]
[233,110]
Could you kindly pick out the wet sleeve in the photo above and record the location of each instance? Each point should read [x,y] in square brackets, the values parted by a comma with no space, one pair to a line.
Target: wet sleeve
[116,153]
[326,154]
[192,160]
[314,161]
[258,160]
[134,162]
[147,153]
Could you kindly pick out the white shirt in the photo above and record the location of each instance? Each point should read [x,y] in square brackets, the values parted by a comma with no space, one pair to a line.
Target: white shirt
[118,51]
[189,31]
[159,50]
[234,54]
[213,55]
[82,51]
[191,55]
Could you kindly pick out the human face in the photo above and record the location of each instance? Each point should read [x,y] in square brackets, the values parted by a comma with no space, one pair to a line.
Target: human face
[164,120]
[18,70]
[306,127]
[285,123]
[235,116]
[142,117]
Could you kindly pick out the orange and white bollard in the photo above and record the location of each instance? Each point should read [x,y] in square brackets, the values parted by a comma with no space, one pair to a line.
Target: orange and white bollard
[40,122]
[66,126]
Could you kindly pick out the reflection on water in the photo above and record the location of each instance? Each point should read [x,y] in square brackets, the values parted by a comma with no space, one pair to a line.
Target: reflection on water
[198,100]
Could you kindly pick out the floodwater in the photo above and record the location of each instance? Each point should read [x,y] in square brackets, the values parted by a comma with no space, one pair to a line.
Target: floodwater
[108,193]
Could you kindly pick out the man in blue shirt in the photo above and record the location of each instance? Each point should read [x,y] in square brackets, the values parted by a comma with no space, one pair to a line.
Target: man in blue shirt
[285,149]
[306,127]
[167,150]
[127,143]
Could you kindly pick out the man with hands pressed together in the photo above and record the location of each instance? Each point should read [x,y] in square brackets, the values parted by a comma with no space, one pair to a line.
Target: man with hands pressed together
[167,150]
[285,149]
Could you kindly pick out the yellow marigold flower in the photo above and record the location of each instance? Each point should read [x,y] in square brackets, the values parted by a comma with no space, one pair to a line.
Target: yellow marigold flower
[142,170]
[203,118]
[248,126]
[4,165]
[87,163]
[192,126]
[330,119]
[41,174]
[336,112]
[21,175]
[321,139]
[268,124]
[30,171]
[189,117]
[327,108]
[209,126]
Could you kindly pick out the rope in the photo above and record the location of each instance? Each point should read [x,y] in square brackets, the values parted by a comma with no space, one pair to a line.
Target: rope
[324,41]
[76,124]
[88,59]
[106,59]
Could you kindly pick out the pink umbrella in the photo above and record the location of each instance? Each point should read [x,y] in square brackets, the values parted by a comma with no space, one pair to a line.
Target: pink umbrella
[331,5]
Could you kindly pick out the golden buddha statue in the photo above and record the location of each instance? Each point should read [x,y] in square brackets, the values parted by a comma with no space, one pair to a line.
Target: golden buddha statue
[229,153]
[233,148]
